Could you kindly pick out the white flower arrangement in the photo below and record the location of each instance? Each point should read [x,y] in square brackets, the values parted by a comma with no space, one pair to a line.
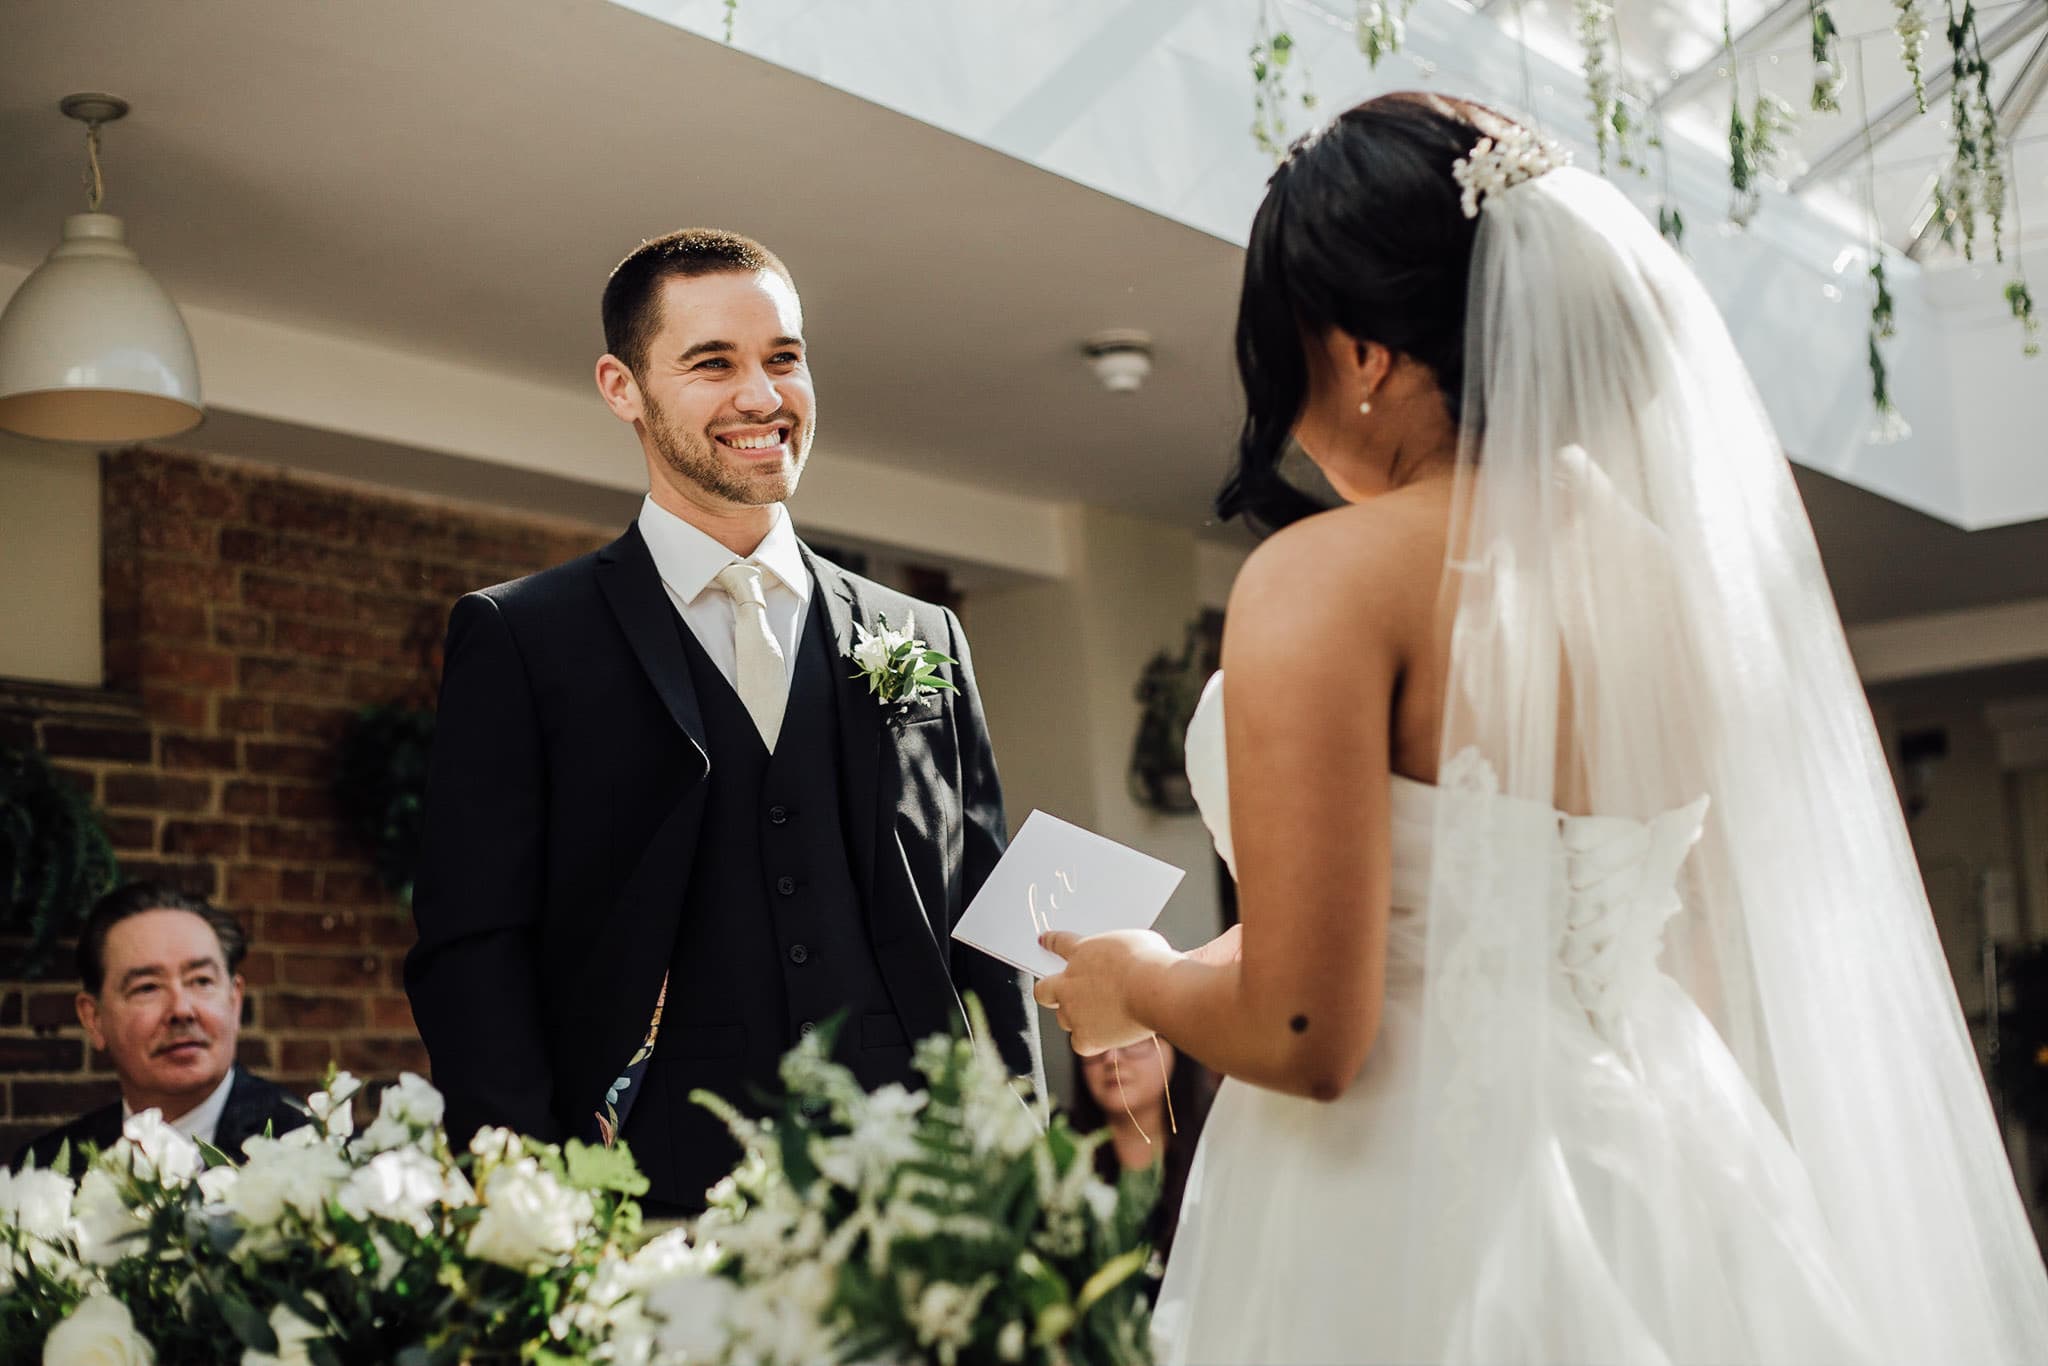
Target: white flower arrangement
[897,665]
[939,1226]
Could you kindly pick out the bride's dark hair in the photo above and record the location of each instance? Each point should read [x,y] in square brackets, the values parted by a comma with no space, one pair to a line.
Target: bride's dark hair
[1361,229]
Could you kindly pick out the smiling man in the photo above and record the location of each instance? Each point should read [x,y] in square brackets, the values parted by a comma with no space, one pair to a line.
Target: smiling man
[670,831]
[161,996]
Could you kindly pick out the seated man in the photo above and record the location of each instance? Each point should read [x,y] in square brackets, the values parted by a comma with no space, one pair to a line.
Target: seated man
[162,997]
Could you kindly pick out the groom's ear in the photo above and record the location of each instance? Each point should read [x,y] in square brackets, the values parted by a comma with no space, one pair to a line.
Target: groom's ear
[617,387]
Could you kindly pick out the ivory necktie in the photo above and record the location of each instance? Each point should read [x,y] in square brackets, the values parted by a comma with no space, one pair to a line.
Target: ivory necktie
[763,679]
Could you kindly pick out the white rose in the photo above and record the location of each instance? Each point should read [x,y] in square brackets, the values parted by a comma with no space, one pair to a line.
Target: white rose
[529,1219]
[106,1223]
[280,1175]
[691,1310]
[1010,1342]
[99,1332]
[295,1337]
[36,1201]
[872,654]
[408,1112]
[335,1107]
[154,1151]
[402,1185]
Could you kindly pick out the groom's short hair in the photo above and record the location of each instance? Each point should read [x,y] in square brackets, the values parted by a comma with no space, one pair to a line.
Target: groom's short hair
[632,296]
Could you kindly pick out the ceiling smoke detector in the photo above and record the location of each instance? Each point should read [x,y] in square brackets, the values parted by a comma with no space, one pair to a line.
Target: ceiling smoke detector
[1121,358]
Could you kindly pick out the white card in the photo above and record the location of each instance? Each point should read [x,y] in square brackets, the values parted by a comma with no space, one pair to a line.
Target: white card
[1057,876]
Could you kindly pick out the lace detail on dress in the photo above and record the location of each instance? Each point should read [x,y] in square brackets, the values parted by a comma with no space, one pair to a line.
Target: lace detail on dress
[1621,888]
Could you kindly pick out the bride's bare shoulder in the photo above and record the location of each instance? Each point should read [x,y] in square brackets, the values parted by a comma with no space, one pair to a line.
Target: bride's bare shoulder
[1370,563]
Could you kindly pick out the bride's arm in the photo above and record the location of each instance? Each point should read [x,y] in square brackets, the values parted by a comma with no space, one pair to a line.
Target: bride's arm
[1311,664]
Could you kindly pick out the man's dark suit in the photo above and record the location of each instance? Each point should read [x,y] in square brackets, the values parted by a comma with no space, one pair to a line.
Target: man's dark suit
[566,810]
[254,1106]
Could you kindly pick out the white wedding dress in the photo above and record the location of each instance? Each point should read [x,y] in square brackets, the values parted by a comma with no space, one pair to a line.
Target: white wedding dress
[1661,1217]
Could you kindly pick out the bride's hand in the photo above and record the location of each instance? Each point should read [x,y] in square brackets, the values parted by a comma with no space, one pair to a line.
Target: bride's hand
[1092,997]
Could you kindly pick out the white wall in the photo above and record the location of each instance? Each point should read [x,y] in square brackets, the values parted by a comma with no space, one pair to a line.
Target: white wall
[49,562]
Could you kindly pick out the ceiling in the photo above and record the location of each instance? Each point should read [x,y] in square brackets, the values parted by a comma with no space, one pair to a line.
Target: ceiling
[454,180]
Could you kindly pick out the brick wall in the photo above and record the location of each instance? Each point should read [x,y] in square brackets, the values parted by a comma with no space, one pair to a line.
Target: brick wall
[248,613]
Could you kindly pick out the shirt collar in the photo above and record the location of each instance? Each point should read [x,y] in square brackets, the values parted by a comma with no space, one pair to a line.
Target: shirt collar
[202,1121]
[688,560]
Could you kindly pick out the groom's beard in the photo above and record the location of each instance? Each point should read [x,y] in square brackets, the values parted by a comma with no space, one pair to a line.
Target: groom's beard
[701,460]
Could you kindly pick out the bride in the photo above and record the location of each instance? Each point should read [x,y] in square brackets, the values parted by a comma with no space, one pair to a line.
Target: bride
[1586,1005]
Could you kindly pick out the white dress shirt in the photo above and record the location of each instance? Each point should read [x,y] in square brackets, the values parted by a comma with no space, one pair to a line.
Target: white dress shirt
[688,561]
[202,1121]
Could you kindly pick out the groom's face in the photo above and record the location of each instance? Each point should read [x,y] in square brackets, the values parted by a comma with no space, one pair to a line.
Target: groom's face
[726,399]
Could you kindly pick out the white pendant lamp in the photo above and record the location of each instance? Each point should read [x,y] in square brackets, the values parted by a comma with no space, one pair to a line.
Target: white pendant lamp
[91,347]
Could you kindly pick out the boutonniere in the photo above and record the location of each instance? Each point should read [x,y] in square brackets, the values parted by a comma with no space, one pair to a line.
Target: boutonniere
[896,664]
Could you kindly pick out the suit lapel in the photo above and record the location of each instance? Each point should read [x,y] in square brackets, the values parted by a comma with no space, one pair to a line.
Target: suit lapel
[861,802]
[632,587]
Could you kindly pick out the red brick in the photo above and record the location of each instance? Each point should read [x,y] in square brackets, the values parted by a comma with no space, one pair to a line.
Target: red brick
[188,665]
[350,888]
[323,641]
[300,884]
[84,781]
[241,716]
[391,1012]
[253,886]
[199,878]
[318,513]
[253,1054]
[240,798]
[174,706]
[208,839]
[271,593]
[384,1057]
[194,491]
[64,1100]
[176,536]
[10,1009]
[172,620]
[159,792]
[392,930]
[296,555]
[324,723]
[133,832]
[97,742]
[300,803]
[197,752]
[327,928]
[52,1009]
[329,970]
[41,1055]
[266,677]
[259,969]
[295,844]
[291,1010]
[187,580]
[304,1057]
[288,761]
[238,630]
[14,1135]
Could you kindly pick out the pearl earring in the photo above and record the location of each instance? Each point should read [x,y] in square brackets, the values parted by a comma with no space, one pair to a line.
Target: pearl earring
[1365,407]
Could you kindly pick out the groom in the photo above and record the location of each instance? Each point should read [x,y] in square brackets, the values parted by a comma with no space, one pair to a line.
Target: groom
[669,831]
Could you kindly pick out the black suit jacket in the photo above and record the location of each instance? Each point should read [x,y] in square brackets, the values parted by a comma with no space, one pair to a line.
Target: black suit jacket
[563,804]
[254,1105]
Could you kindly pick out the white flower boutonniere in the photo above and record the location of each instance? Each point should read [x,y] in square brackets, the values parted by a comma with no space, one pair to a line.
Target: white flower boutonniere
[896,664]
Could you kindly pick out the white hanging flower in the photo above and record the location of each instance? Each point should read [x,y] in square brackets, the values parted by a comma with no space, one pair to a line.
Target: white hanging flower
[99,1332]
[529,1219]
[409,1112]
[295,1339]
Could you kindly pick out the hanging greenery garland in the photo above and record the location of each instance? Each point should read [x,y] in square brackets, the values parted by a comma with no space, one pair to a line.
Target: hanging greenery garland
[1827,66]
[1911,26]
[1382,28]
[1975,179]
[1891,424]
[1273,93]
[1753,143]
